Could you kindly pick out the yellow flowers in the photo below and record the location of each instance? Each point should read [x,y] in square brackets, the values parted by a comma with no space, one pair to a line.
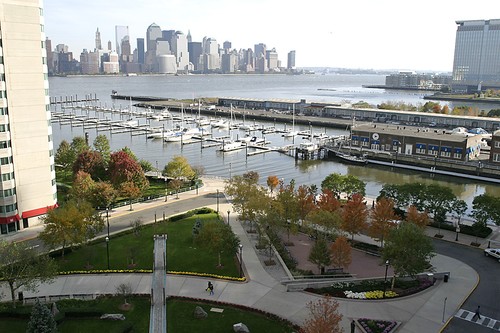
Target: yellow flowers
[105,271]
[374,294]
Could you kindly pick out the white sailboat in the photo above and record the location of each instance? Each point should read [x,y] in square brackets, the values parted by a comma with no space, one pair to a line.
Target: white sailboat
[293,132]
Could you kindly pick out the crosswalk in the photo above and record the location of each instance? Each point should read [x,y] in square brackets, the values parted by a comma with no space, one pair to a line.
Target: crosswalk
[484,321]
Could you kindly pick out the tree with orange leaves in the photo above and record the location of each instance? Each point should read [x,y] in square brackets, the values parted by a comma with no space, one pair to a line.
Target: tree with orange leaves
[272,182]
[383,219]
[341,252]
[421,219]
[324,317]
[354,215]
[305,201]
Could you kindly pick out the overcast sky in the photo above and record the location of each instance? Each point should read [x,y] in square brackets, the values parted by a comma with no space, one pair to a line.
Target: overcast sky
[377,34]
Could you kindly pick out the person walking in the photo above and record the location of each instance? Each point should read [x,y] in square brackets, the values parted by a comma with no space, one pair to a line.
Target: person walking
[477,314]
[210,288]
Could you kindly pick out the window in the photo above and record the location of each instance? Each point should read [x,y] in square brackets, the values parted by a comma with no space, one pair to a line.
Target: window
[445,154]
[1,59]
[51,152]
[50,138]
[496,157]
[420,151]
[52,167]
[4,128]
[4,111]
[4,144]
[45,76]
[41,11]
[457,156]
[43,44]
[9,192]
[53,182]
[44,61]
[433,152]
[46,92]
[7,176]
[355,142]
[497,144]
[42,28]
[5,160]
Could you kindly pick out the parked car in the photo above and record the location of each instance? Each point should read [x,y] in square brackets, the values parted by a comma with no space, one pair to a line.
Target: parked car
[492,253]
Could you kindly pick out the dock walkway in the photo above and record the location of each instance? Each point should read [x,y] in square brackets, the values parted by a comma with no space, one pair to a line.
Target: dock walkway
[158,317]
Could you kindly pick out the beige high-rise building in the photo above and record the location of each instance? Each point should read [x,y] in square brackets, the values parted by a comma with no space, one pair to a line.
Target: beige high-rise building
[28,179]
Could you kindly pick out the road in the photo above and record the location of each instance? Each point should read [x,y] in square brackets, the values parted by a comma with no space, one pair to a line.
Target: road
[487,293]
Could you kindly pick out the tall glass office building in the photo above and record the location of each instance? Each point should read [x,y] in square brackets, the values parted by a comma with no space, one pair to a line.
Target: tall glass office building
[476,64]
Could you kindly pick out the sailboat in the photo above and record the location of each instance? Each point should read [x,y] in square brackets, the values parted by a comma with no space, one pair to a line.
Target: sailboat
[183,133]
[293,132]
[348,157]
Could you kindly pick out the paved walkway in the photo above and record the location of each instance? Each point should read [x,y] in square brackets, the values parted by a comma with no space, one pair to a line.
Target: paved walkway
[424,312]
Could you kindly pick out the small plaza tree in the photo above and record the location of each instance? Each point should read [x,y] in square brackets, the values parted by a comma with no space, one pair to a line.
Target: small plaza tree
[324,317]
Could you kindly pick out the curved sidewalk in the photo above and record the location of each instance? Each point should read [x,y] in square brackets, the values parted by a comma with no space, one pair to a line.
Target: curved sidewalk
[424,312]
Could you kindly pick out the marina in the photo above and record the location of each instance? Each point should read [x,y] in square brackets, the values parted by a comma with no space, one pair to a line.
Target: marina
[222,164]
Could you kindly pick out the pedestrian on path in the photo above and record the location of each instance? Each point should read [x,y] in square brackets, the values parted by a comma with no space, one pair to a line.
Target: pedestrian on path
[210,288]
[477,314]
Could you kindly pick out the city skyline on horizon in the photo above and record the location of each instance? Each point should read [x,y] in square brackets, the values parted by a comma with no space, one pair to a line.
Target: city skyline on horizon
[398,36]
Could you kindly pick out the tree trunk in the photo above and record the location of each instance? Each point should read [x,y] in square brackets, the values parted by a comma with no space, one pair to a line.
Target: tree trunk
[131,204]
[219,259]
[12,293]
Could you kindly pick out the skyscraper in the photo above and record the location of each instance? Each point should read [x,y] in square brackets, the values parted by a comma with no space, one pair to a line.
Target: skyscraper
[152,34]
[98,44]
[140,50]
[26,146]
[291,60]
[122,36]
[476,63]
[179,47]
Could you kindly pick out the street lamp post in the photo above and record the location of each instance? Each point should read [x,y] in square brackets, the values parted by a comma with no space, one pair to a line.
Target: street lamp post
[107,249]
[241,259]
[217,201]
[228,211]
[107,218]
[166,190]
[385,278]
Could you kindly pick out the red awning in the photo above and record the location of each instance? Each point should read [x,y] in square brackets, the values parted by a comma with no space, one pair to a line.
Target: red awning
[9,219]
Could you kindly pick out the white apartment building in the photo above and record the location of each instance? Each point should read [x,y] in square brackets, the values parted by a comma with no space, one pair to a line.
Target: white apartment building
[28,179]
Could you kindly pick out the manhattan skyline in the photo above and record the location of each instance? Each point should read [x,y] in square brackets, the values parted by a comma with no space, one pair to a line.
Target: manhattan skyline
[386,34]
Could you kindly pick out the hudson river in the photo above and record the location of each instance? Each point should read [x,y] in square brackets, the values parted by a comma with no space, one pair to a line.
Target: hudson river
[333,88]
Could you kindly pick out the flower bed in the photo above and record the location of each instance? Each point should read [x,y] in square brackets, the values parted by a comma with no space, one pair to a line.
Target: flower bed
[375,294]
[377,326]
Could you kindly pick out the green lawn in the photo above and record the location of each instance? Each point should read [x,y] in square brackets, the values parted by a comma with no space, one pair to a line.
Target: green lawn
[135,251]
[179,314]
[180,319]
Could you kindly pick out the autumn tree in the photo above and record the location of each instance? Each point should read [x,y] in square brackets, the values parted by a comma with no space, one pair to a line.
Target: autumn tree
[179,168]
[73,223]
[305,202]
[383,219]
[420,219]
[218,238]
[24,267]
[130,191]
[83,186]
[324,317]
[123,168]
[408,250]
[103,194]
[354,215]
[320,254]
[65,156]
[341,252]
[272,182]
[79,145]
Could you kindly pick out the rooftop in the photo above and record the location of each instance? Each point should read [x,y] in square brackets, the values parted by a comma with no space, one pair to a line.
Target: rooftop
[410,131]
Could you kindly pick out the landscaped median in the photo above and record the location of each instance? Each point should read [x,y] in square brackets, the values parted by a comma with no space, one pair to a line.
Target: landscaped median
[131,251]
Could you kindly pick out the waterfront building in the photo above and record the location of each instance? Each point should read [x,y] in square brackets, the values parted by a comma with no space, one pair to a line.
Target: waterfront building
[210,57]
[229,62]
[416,141]
[291,60]
[167,64]
[260,58]
[89,62]
[413,80]
[50,56]
[495,148]
[226,46]
[26,148]
[476,65]
[98,44]
[189,38]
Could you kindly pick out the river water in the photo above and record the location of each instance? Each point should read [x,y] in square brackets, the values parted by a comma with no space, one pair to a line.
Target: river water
[340,88]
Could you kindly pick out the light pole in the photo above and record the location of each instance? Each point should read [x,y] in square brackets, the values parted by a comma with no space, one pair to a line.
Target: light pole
[241,259]
[385,278]
[217,201]
[107,249]
[166,190]
[228,211]
[107,218]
